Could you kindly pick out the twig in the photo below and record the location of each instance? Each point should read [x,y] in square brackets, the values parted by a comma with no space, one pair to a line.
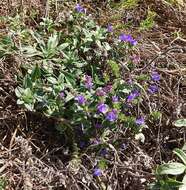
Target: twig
[161,54]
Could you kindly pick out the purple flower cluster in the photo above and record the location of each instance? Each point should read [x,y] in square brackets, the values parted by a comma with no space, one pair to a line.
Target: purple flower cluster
[140,121]
[133,95]
[88,82]
[109,28]
[128,38]
[97,172]
[155,76]
[102,108]
[111,115]
[153,88]
[103,91]
[115,99]
[79,8]
[100,92]
[103,152]
[80,99]
[107,89]
[61,94]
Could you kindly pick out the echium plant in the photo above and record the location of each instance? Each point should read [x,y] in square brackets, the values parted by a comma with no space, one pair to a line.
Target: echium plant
[74,73]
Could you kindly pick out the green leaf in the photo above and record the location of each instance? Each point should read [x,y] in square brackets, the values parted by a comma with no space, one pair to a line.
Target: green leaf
[174,168]
[184,147]
[19,91]
[38,38]
[52,42]
[61,78]
[69,97]
[126,91]
[180,154]
[114,67]
[180,123]
[30,51]
[63,46]
[27,96]
[69,78]
[52,80]
[27,82]
[183,187]
[107,46]
[36,73]
[20,102]
[29,107]
[80,64]
[170,184]
[102,164]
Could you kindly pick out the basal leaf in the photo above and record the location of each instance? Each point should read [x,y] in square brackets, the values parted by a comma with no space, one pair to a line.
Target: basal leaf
[174,168]
[180,154]
[180,123]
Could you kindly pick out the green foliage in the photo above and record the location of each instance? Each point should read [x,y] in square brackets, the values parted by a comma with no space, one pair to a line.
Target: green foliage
[114,68]
[126,4]
[6,46]
[3,184]
[73,72]
[176,2]
[148,23]
[156,115]
[130,4]
[171,168]
[180,123]
[168,175]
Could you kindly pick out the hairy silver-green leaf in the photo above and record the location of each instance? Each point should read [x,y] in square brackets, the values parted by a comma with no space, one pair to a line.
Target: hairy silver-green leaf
[180,154]
[180,123]
[174,168]
[183,187]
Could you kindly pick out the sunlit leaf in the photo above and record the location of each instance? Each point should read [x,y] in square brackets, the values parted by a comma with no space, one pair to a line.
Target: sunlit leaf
[180,123]
[180,154]
[174,168]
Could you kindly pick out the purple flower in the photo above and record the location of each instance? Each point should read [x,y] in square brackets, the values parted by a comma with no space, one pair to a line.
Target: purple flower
[88,82]
[130,81]
[133,42]
[155,76]
[103,152]
[61,94]
[115,99]
[140,121]
[112,115]
[100,92]
[107,88]
[79,8]
[80,99]
[109,28]
[127,38]
[132,95]
[153,89]
[82,144]
[102,108]
[94,141]
[98,126]
[97,172]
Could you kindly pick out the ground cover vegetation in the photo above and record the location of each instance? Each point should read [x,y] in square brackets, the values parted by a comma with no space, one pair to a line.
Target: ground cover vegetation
[92,95]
